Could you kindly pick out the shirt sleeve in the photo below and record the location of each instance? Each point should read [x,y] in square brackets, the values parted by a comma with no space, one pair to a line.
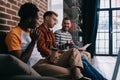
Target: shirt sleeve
[41,45]
[57,38]
[13,42]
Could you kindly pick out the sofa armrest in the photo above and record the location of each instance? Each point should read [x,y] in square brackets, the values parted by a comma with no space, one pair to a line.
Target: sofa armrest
[10,66]
[26,77]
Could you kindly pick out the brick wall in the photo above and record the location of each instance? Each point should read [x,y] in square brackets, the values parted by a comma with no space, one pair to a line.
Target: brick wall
[9,12]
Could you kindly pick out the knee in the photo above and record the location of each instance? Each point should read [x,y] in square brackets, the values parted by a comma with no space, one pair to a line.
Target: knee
[88,54]
[75,50]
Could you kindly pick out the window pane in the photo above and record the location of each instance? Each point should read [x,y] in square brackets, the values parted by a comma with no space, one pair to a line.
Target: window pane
[103,22]
[116,31]
[104,4]
[102,42]
[115,3]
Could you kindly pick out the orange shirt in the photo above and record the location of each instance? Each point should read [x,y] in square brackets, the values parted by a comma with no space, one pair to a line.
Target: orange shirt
[13,39]
[17,39]
[46,41]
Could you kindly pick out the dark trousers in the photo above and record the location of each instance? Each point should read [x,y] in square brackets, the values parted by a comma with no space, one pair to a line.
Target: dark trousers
[90,71]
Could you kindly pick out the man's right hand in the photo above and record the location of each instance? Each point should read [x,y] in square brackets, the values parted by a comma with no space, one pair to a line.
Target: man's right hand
[54,57]
[69,43]
[35,34]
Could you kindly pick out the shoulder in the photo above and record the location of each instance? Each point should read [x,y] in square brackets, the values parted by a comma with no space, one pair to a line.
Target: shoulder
[69,33]
[58,31]
[16,31]
[42,28]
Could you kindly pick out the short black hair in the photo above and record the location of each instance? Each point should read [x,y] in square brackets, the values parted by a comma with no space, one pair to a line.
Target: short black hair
[49,13]
[28,10]
[66,18]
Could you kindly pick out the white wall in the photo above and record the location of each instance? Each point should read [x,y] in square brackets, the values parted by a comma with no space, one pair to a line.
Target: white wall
[56,6]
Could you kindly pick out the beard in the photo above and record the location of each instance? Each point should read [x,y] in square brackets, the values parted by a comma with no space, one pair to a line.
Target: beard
[32,25]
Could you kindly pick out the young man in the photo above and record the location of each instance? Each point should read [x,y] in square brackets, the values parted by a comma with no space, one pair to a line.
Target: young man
[64,38]
[58,58]
[19,40]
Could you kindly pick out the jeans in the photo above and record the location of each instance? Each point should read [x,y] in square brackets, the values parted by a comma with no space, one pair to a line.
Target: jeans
[91,72]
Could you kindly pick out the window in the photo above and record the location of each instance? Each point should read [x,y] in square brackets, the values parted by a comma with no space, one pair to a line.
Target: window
[108,34]
[56,6]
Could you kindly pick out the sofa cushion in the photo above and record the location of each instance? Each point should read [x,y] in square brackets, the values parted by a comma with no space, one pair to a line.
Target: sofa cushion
[10,66]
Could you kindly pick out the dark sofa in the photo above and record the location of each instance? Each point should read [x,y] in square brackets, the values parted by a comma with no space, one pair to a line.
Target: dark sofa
[11,68]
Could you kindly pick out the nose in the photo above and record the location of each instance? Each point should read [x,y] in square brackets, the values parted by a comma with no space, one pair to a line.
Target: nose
[66,24]
[55,22]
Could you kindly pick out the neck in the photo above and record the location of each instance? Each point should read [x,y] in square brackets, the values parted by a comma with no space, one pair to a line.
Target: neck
[64,30]
[45,25]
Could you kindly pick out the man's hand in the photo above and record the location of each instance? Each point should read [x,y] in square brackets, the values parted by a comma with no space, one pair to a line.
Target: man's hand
[84,47]
[35,34]
[54,57]
[69,43]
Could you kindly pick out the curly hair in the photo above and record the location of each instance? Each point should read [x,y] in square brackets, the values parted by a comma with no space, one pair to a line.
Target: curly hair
[28,10]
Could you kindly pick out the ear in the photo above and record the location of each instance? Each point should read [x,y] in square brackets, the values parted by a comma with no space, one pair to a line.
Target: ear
[47,18]
[30,19]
